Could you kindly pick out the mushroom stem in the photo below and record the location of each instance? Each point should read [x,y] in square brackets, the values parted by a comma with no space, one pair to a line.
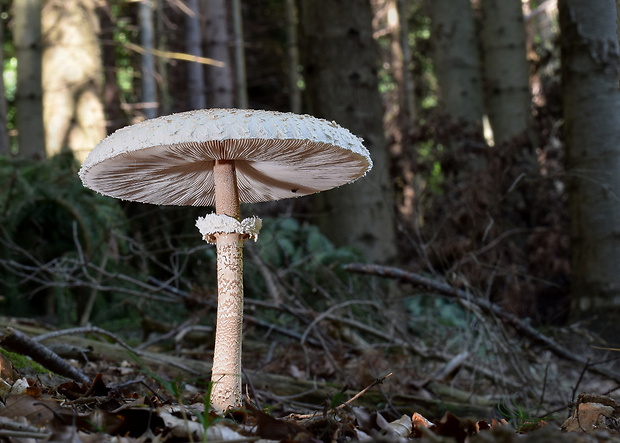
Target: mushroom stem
[226,190]
[226,373]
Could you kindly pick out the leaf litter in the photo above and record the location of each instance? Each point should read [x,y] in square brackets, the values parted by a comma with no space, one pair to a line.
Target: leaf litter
[138,410]
[443,388]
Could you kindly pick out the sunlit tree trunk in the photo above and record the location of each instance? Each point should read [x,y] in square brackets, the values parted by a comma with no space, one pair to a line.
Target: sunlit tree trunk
[590,67]
[196,98]
[29,95]
[147,40]
[506,71]
[72,77]
[340,70]
[218,42]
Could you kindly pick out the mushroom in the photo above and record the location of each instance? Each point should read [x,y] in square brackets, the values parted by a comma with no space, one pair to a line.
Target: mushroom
[225,157]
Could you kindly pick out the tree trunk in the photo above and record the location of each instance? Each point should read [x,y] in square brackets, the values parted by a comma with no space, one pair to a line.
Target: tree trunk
[241,87]
[590,67]
[29,95]
[457,62]
[72,77]
[340,70]
[112,101]
[506,69]
[147,40]
[5,147]
[292,56]
[196,98]
[401,56]
[390,24]
[218,43]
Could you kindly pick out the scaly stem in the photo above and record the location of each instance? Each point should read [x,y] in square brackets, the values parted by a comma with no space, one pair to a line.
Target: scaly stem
[226,373]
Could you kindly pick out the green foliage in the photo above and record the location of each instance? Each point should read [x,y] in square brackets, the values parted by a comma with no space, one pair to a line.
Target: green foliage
[518,416]
[9,76]
[437,310]
[285,242]
[302,256]
[47,215]
[430,153]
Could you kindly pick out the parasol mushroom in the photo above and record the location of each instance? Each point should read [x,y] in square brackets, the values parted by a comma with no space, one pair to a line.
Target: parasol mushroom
[225,157]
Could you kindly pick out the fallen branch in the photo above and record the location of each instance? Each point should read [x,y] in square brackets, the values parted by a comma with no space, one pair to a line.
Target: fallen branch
[486,306]
[21,343]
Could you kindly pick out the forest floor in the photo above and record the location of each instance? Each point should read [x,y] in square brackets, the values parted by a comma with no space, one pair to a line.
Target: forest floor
[342,381]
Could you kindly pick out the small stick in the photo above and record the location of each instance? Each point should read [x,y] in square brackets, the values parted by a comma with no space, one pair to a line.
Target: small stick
[376,382]
[118,340]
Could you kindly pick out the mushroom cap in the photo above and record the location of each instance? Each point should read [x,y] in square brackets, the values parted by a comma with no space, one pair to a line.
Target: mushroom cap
[169,160]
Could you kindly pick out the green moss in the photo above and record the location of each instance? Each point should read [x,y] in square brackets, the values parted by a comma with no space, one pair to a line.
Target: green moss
[24,364]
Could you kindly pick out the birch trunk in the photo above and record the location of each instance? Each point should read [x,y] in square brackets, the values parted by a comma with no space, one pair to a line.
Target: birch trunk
[591,62]
[29,95]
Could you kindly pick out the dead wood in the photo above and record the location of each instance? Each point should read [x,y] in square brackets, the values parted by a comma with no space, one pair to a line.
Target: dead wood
[15,341]
[272,386]
[489,308]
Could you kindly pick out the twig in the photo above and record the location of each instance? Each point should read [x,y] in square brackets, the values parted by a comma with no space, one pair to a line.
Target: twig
[23,344]
[25,434]
[118,340]
[376,382]
[490,308]
[171,333]
[8,424]
[329,311]
[85,330]
[581,374]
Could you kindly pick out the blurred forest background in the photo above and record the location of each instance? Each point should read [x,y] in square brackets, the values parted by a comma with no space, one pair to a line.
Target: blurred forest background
[494,126]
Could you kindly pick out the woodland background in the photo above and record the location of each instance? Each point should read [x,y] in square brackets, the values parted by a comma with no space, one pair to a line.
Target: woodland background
[494,126]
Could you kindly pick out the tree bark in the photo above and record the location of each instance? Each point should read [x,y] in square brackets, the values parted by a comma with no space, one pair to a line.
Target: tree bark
[5,148]
[340,70]
[506,69]
[292,55]
[401,56]
[241,87]
[218,42]
[72,77]
[456,61]
[147,39]
[590,67]
[29,95]
[196,98]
